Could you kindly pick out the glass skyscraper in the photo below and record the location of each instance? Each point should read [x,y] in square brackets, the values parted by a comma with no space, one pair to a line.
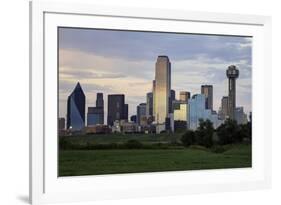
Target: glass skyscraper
[76,109]
[149,104]
[162,91]
[197,110]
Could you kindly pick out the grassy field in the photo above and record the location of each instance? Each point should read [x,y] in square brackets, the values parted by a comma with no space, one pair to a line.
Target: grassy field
[94,162]
[120,138]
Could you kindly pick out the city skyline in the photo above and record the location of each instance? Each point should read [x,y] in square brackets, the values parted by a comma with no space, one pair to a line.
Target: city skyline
[119,72]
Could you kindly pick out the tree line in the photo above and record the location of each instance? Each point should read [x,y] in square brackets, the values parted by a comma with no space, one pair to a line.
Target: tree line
[227,133]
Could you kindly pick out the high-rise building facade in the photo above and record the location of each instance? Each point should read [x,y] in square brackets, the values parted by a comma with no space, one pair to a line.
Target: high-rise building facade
[232,73]
[207,90]
[181,112]
[99,100]
[171,99]
[126,112]
[95,116]
[100,105]
[197,110]
[224,107]
[141,112]
[162,89]
[149,104]
[184,96]
[116,108]
[76,109]
[240,116]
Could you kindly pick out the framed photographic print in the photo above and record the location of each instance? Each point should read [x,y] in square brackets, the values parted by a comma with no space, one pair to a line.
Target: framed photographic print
[130,102]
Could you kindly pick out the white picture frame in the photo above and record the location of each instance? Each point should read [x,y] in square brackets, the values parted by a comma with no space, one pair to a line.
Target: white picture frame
[46,187]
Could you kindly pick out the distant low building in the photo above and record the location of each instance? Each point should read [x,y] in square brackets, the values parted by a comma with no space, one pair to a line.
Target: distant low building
[97,129]
[129,127]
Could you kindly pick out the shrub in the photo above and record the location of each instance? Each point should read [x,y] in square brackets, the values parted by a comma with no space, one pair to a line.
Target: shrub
[229,133]
[204,133]
[188,138]
[133,144]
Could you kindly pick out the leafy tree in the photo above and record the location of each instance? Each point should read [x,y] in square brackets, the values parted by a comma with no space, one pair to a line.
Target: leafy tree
[229,132]
[245,131]
[204,133]
[188,138]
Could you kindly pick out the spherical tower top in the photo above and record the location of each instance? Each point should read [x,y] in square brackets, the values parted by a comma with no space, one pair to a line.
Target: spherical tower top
[232,72]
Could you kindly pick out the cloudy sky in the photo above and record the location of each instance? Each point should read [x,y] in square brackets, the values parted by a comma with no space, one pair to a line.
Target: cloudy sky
[115,62]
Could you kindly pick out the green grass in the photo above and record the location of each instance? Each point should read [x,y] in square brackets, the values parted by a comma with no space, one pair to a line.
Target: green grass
[94,162]
[119,138]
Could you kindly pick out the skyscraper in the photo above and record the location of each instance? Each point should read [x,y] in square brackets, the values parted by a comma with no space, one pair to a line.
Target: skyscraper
[240,116]
[197,110]
[95,116]
[232,73]
[76,109]
[100,105]
[224,107]
[149,104]
[125,112]
[184,96]
[99,100]
[141,112]
[207,90]
[162,89]
[116,108]
[171,99]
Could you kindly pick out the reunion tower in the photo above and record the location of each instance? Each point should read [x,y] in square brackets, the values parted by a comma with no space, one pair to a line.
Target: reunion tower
[232,73]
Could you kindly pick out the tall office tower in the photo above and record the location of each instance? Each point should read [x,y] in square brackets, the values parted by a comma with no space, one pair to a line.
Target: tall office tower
[153,94]
[126,112]
[76,109]
[95,116]
[207,90]
[232,73]
[162,89]
[224,107]
[149,104]
[141,112]
[100,105]
[171,99]
[116,108]
[99,100]
[184,96]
